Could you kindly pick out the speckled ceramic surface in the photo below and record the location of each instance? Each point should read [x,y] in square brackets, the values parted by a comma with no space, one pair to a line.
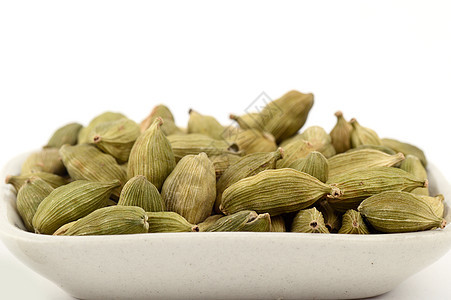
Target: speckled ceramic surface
[223,265]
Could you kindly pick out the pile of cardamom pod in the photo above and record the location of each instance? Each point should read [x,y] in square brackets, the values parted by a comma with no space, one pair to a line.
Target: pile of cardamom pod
[116,176]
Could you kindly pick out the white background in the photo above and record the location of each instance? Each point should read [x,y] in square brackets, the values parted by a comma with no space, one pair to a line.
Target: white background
[387,63]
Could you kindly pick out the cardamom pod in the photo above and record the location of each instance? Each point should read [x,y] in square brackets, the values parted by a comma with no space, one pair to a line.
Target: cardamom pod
[116,137]
[83,134]
[111,220]
[18,181]
[206,125]
[400,212]
[314,163]
[29,197]
[293,151]
[262,223]
[341,134]
[310,221]
[246,166]
[233,222]
[363,136]
[275,192]
[332,218]
[46,160]
[437,203]
[413,165]
[63,229]
[152,156]
[203,226]
[71,202]
[405,148]
[278,224]
[86,162]
[138,191]
[168,127]
[361,159]
[353,223]
[249,121]
[222,162]
[68,134]
[168,221]
[190,189]
[374,147]
[252,141]
[361,184]
[320,140]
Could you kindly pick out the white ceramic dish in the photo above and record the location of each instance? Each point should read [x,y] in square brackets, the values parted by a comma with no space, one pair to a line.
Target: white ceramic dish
[223,265]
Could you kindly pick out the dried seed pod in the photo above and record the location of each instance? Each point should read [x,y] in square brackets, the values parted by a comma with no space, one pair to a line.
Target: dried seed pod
[116,137]
[361,159]
[138,191]
[252,141]
[400,212]
[86,162]
[248,165]
[152,156]
[437,203]
[353,223]
[18,181]
[314,164]
[413,165]
[71,202]
[278,224]
[283,117]
[332,218]
[83,134]
[293,151]
[46,160]
[320,140]
[206,125]
[111,220]
[233,222]
[341,134]
[405,148]
[363,136]
[374,147]
[29,197]
[193,144]
[262,223]
[361,184]
[190,189]
[249,121]
[203,226]
[222,162]
[275,192]
[63,229]
[68,134]
[163,112]
[169,222]
[310,221]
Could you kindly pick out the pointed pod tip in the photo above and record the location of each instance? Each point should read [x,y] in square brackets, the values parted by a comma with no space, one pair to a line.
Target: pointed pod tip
[8,179]
[195,228]
[443,225]
[97,139]
[233,117]
[400,155]
[426,183]
[281,152]
[339,113]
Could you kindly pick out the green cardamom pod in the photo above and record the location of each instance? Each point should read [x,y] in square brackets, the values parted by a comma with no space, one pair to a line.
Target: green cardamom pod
[332,218]
[83,134]
[168,221]
[190,189]
[414,166]
[262,223]
[361,159]
[203,226]
[249,121]
[293,151]
[165,113]
[353,223]
[275,192]
[46,160]
[252,140]
[341,134]
[194,143]
[278,224]
[400,212]
[111,220]
[320,140]
[405,148]
[206,125]
[310,221]
[29,197]
[374,147]
[86,162]
[233,222]
[63,229]
[138,191]
[152,156]
[437,203]
[116,137]
[362,135]
[222,162]
[246,166]
[68,134]
[315,164]
[71,202]
[361,184]
[18,181]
